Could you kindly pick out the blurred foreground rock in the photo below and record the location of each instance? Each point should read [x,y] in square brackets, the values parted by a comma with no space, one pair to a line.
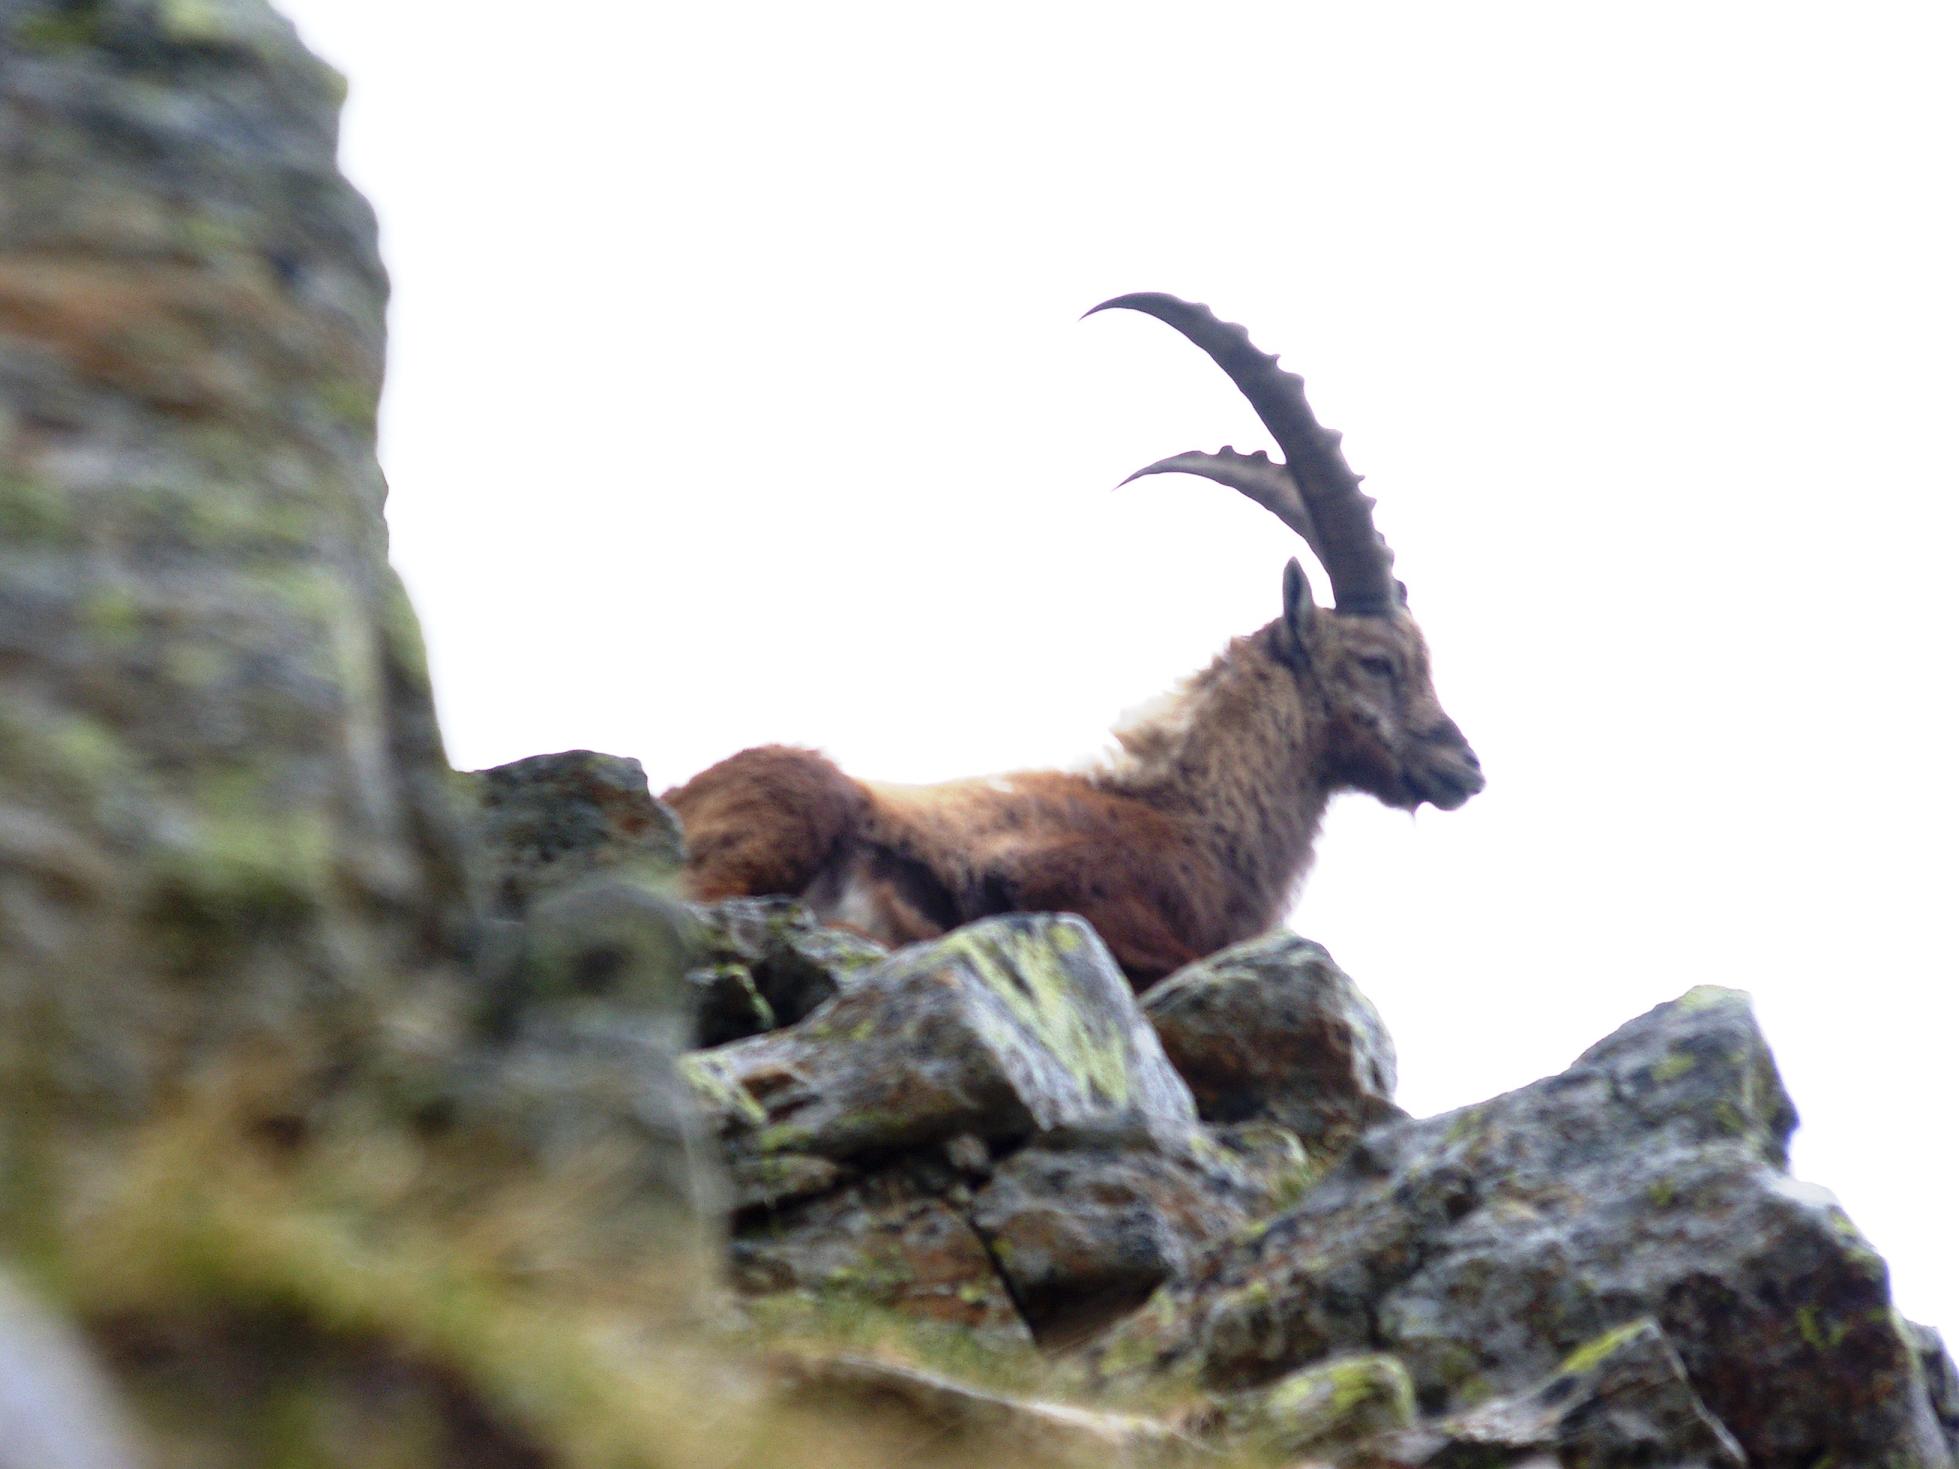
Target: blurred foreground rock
[223,808]
[259,1141]
[547,821]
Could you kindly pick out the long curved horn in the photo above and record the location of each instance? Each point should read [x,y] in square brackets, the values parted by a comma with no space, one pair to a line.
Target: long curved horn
[1357,560]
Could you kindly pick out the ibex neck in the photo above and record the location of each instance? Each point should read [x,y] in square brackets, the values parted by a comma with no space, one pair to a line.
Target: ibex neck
[1236,756]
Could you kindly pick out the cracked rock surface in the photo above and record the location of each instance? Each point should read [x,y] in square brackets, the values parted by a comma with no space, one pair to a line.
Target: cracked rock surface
[1010,1027]
[1610,1266]
[1273,1029]
[1483,1247]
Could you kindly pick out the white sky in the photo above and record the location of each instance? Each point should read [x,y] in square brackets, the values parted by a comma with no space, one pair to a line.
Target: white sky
[738,396]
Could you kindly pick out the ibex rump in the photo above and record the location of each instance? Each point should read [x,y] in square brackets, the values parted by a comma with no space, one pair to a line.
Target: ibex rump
[1199,832]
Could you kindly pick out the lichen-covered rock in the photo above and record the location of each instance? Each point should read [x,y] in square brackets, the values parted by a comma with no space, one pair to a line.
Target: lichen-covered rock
[238,1133]
[549,820]
[1084,1225]
[896,1239]
[770,1182]
[1483,1247]
[1014,1026]
[727,1004]
[584,1018]
[584,1055]
[792,963]
[1621,1402]
[1941,1380]
[1273,1029]
[607,938]
[1325,1408]
[224,820]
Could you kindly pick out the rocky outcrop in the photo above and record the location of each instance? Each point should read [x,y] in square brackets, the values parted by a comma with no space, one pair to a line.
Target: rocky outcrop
[1610,1267]
[295,1198]
[223,804]
[1083,1226]
[1941,1380]
[773,955]
[545,822]
[1273,1029]
[1327,1408]
[1623,1400]
[981,1130]
[899,1238]
[582,1056]
[544,828]
[1483,1247]
[1002,1029]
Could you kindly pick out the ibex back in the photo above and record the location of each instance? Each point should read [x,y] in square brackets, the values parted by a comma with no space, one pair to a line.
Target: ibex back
[1199,832]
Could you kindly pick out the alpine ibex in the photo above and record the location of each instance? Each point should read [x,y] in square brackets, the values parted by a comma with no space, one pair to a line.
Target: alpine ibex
[1198,832]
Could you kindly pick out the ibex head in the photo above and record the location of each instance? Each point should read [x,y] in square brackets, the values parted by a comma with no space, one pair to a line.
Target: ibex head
[1364,659]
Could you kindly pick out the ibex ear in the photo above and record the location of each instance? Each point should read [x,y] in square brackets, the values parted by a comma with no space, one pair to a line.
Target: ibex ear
[1299,613]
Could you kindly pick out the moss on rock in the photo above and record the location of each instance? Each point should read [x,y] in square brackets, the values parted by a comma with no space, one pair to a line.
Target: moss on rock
[1330,1406]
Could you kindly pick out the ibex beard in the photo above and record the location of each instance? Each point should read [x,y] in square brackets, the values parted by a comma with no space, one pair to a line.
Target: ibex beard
[1199,831]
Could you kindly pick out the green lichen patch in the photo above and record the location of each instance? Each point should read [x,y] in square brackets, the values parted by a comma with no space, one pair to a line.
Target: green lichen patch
[1029,967]
[1813,1329]
[60,754]
[353,401]
[36,513]
[401,632]
[1595,1352]
[1673,1067]
[222,515]
[1275,1155]
[112,616]
[1328,1406]
[986,1032]
[1712,996]
[724,1101]
[231,861]
[58,30]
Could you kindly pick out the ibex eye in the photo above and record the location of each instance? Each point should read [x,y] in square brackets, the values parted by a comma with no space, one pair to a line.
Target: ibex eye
[1379,667]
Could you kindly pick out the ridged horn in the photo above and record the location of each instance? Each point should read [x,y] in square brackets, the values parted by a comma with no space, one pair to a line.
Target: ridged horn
[1326,506]
[1260,479]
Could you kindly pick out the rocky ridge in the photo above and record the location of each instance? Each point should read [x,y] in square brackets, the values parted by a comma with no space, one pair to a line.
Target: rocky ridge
[1612,1265]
